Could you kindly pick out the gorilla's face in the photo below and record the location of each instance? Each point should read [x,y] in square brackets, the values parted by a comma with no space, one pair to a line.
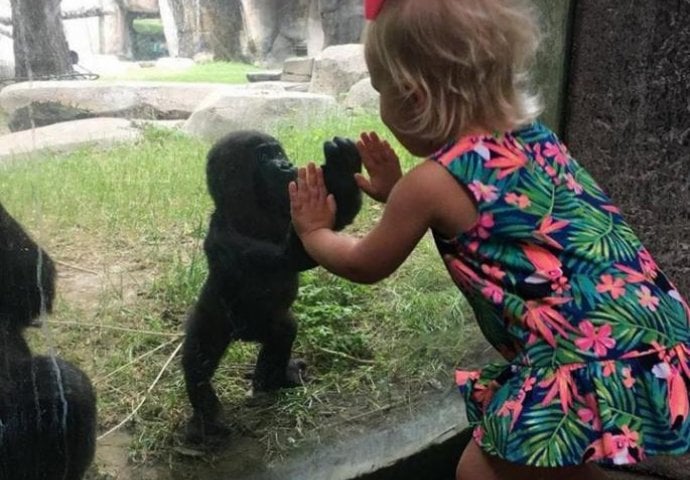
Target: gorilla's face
[273,174]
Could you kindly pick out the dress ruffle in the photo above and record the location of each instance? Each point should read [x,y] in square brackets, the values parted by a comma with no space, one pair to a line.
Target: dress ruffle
[611,412]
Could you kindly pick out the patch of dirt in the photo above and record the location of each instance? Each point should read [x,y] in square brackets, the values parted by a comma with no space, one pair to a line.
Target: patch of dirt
[86,280]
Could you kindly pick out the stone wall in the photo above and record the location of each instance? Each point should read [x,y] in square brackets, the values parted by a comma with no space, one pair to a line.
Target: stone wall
[628,116]
[272,30]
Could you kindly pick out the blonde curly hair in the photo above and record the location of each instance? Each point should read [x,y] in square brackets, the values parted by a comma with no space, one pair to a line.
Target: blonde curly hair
[465,62]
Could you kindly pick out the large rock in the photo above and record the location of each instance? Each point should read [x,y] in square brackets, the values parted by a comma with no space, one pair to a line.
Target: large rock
[264,110]
[67,136]
[297,69]
[338,68]
[362,96]
[53,102]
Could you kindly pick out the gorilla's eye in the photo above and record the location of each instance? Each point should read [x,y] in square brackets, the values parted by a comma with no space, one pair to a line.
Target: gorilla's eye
[272,153]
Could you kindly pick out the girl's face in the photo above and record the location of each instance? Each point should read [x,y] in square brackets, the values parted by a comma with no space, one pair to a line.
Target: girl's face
[398,111]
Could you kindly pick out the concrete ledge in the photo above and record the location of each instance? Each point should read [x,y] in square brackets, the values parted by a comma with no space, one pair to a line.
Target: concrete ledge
[422,442]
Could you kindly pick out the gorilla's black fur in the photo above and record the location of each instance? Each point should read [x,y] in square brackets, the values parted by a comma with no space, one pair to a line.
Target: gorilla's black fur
[47,405]
[254,259]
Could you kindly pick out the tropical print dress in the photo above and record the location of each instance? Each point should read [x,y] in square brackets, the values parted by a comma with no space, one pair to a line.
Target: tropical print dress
[596,337]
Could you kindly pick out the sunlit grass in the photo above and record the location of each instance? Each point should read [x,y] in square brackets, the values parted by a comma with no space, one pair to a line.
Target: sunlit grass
[145,208]
[148,26]
[215,72]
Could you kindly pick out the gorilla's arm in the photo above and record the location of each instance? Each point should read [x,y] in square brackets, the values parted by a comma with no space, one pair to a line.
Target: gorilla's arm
[228,248]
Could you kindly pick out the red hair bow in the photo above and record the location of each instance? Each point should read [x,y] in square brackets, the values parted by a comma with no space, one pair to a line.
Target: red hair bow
[372,8]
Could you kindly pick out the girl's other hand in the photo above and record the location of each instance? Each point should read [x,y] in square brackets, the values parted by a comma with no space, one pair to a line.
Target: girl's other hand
[311,207]
[382,165]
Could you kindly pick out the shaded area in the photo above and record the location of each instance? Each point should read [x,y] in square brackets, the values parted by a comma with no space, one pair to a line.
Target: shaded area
[628,118]
[628,122]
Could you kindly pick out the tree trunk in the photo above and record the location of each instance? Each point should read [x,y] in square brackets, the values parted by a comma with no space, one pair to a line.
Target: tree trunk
[40,47]
[195,26]
[224,34]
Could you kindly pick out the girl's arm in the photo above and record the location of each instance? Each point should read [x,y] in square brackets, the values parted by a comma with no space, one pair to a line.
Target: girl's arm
[426,197]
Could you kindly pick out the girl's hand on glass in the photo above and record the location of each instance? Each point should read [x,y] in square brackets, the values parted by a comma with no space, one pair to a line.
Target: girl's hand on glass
[311,206]
[381,163]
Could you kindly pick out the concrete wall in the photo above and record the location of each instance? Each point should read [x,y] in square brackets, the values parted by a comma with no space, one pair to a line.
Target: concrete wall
[628,116]
[83,35]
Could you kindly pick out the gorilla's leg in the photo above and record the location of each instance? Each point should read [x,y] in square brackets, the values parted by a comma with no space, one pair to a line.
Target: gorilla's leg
[209,332]
[274,369]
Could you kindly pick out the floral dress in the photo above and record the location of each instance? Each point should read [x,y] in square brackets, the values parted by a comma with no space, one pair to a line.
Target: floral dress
[596,337]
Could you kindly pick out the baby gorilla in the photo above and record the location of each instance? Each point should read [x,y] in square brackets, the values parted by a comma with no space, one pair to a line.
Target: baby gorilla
[254,259]
[47,405]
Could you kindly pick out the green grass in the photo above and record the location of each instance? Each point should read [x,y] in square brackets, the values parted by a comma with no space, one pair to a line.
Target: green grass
[140,212]
[215,72]
[148,26]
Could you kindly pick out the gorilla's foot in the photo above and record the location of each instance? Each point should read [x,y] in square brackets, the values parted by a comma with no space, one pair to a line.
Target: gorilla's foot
[206,429]
[295,375]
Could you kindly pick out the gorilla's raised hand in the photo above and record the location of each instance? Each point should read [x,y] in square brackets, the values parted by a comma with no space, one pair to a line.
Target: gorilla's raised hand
[341,162]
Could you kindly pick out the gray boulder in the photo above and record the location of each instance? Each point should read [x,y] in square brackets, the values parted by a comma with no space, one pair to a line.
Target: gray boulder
[53,102]
[67,136]
[337,69]
[362,96]
[264,110]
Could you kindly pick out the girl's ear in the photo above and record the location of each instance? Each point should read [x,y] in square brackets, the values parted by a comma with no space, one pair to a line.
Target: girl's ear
[419,98]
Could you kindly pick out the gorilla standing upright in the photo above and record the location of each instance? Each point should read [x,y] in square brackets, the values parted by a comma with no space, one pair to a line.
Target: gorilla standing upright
[254,258]
[47,405]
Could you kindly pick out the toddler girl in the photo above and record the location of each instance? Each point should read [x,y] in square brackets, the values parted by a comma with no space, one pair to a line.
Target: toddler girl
[596,337]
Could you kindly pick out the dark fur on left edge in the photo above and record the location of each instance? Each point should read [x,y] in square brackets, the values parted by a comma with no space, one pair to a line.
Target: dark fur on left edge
[47,405]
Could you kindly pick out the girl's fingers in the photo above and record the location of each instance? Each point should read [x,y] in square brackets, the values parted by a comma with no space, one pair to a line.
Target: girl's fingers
[301,178]
[364,184]
[311,175]
[332,205]
[321,184]
[292,190]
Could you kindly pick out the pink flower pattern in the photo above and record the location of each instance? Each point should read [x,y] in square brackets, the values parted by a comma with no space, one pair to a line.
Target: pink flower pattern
[593,338]
[482,192]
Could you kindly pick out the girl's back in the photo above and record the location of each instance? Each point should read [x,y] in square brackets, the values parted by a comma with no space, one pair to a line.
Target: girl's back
[552,258]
